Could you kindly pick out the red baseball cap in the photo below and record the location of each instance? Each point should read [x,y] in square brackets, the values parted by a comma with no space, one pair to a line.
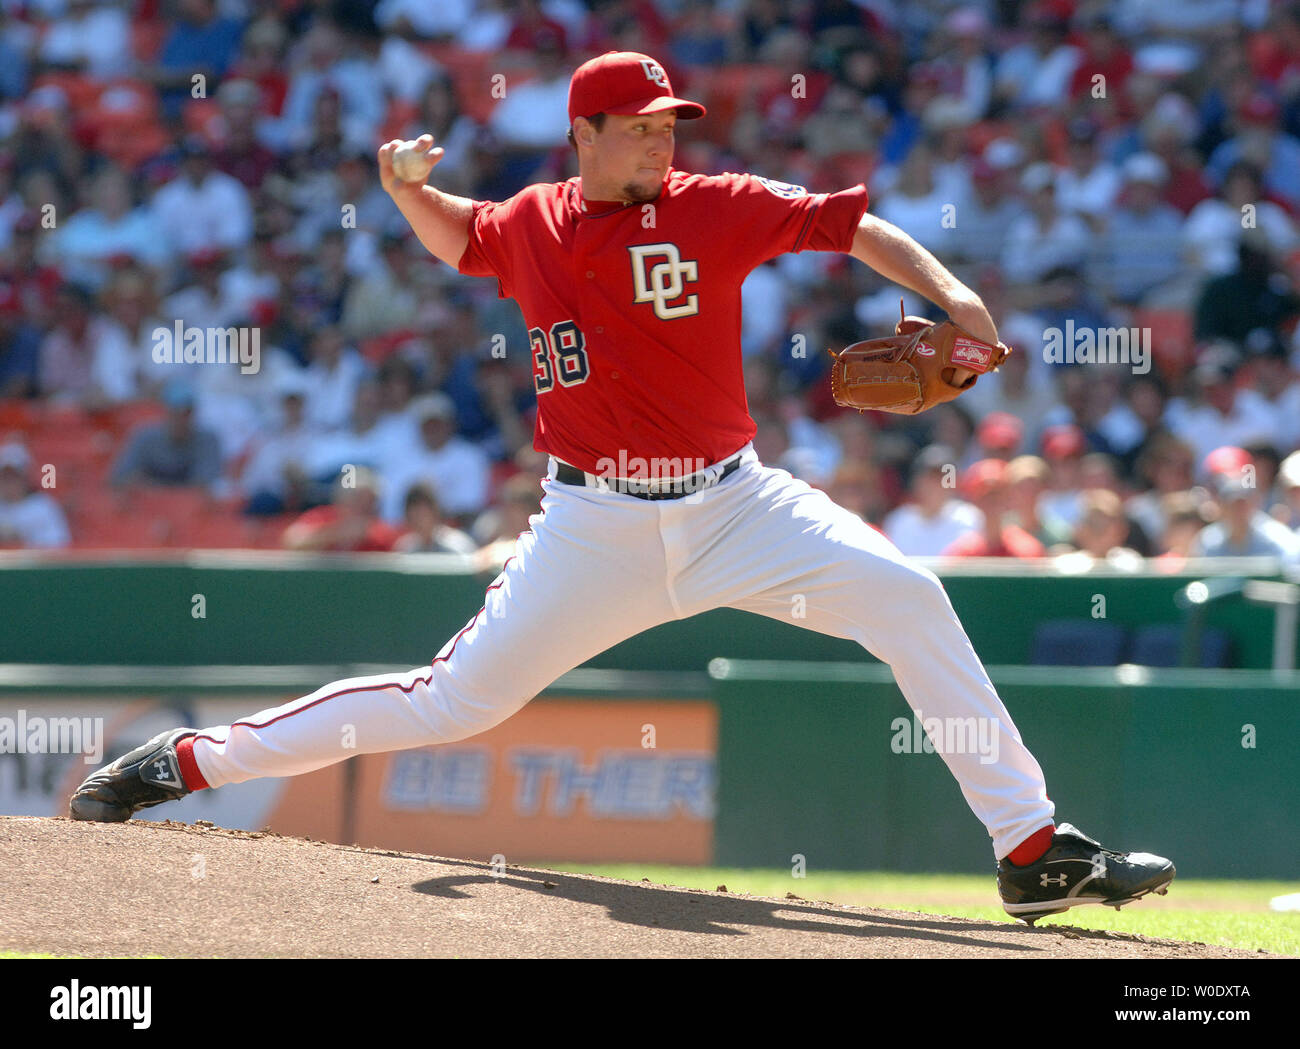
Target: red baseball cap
[625,83]
[1000,431]
[983,477]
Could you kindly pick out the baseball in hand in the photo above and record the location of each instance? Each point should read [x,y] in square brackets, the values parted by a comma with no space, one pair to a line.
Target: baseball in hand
[410,163]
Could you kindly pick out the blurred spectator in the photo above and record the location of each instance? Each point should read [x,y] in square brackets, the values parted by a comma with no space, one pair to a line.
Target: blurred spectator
[1088,185]
[1017,389]
[533,116]
[427,532]
[1287,509]
[933,518]
[20,347]
[969,30]
[276,478]
[1044,238]
[440,115]
[1142,240]
[333,374]
[386,300]
[90,38]
[986,485]
[1212,232]
[1103,528]
[915,203]
[517,500]
[349,523]
[29,518]
[1184,514]
[999,435]
[83,359]
[422,19]
[1105,62]
[1257,281]
[1273,379]
[201,43]
[239,152]
[171,452]
[95,238]
[1262,141]
[1027,480]
[34,281]
[1166,466]
[359,442]
[1039,71]
[203,209]
[1063,450]
[457,470]
[1243,529]
[1221,414]
[981,230]
[334,85]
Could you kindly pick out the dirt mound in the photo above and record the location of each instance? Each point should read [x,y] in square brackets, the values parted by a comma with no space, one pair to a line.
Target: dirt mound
[180,890]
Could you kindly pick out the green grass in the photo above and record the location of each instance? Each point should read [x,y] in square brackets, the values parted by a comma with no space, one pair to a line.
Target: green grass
[1225,913]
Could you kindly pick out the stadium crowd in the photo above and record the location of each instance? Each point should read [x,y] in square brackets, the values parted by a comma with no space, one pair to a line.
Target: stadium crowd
[1126,169]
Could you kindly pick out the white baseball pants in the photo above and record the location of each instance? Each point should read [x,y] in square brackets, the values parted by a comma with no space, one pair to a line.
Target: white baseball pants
[598,567]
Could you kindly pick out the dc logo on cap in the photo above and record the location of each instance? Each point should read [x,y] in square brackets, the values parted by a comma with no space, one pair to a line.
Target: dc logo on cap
[654,71]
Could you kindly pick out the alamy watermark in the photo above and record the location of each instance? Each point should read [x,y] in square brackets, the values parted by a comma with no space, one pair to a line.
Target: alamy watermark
[656,475]
[183,344]
[1087,345]
[928,735]
[41,735]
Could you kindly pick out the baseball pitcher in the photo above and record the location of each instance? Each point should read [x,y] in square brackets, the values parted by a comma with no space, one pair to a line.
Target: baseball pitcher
[655,505]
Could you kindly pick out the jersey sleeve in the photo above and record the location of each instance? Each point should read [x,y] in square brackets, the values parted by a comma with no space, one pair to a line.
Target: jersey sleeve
[777,217]
[486,254]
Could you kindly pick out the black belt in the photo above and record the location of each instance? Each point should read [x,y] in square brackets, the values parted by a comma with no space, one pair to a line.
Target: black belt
[663,488]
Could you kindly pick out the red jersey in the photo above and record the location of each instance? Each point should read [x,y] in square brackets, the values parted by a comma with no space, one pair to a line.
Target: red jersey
[633,310]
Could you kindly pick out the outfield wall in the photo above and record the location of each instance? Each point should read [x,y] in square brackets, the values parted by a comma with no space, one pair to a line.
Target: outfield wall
[274,608]
[760,764]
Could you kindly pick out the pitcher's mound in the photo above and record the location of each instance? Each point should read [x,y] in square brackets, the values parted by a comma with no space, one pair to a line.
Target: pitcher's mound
[176,890]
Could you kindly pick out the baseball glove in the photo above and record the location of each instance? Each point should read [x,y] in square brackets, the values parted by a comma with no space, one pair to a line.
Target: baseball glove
[922,364]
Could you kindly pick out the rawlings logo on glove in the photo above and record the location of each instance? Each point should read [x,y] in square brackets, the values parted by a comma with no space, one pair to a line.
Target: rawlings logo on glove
[922,364]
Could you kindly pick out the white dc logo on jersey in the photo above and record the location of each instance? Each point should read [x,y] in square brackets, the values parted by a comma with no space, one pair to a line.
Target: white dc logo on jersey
[664,281]
[654,71]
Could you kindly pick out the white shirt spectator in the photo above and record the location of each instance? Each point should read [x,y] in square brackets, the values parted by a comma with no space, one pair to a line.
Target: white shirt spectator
[534,115]
[920,217]
[458,472]
[112,371]
[1205,429]
[919,536]
[266,467]
[35,521]
[95,38]
[1091,193]
[332,391]
[1038,80]
[1212,231]
[445,18]
[1031,251]
[215,214]
[88,239]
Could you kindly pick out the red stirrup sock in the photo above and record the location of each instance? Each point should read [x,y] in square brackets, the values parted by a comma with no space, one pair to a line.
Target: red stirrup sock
[190,768]
[1032,848]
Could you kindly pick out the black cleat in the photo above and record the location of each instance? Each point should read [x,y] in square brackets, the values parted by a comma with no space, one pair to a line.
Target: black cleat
[1076,870]
[148,775]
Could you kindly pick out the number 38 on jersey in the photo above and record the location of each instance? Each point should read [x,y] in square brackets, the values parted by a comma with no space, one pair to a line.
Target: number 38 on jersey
[559,355]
